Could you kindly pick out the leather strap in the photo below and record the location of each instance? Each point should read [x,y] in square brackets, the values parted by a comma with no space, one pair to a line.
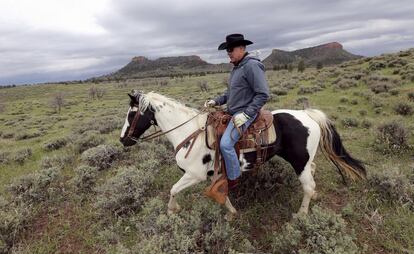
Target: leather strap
[193,137]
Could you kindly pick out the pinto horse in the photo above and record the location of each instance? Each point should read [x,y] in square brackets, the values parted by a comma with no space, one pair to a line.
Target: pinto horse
[299,132]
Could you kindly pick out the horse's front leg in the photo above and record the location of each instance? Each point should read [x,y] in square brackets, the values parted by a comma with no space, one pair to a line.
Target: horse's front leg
[232,212]
[185,181]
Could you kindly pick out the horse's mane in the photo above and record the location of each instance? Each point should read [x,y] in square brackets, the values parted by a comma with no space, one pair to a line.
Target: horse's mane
[152,98]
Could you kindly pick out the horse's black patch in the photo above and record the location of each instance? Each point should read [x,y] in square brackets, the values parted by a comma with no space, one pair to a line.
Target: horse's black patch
[206,158]
[290,144]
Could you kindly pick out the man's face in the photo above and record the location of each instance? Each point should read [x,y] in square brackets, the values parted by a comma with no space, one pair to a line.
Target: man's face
[236,54]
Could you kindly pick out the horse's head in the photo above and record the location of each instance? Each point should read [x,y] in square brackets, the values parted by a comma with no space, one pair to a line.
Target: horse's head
[139,118]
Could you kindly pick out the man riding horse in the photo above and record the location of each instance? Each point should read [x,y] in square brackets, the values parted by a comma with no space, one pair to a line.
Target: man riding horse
[247,92]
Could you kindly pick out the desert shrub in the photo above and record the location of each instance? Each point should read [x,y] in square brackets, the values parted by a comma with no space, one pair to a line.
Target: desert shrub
[87,140]
[5,157]
[102,125]
[404,109]
[57,161]
[381,87]
[410,96]
[101,156]
[35,187]
[7,135]
[398,62]
[308,90]
[302,100]
[354,102]
[322,231]
[393,187]
[377,110]
[13,219]
[291,84]
[366,124]
[391,137]
[362,112]
[127,190]
[346,83]
[55,144]
[21,135]
[85,179]
[394,92]
[350,122]
[21,155]
[376,65]
[278,91]
[343,99]
[199,230]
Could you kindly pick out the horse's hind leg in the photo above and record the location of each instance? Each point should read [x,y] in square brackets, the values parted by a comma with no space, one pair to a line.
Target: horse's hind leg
[186,181]
[308,185]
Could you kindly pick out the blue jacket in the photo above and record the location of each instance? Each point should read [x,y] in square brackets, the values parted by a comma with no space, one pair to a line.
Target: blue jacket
[248,90]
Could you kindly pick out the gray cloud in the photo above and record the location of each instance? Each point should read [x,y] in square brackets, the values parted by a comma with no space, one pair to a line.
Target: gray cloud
[169,28]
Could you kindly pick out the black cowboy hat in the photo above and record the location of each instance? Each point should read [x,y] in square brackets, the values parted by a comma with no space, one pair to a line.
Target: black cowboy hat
[234,40]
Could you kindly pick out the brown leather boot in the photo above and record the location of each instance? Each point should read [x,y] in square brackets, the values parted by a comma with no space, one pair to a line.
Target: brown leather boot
[218,190]
[232,185]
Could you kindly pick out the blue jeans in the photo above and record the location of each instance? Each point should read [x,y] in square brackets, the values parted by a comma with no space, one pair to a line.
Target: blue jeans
[229,139]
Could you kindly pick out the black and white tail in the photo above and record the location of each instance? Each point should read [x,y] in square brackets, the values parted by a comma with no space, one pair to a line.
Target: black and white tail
[331,144]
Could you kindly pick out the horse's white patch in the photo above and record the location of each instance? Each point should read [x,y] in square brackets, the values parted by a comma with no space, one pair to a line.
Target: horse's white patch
[243,163]
[126,124]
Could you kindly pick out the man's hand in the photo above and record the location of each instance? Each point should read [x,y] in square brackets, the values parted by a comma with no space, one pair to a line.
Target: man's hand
[209,103]
[240,119]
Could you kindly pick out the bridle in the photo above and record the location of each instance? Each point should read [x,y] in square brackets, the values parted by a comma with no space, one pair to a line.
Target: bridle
[161,133]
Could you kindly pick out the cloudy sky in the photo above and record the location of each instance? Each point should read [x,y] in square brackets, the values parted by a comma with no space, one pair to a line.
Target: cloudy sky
[50,40]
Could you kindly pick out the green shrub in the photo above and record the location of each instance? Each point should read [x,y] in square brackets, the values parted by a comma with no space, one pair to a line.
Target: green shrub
[308,90]
[55,144]
[85,179]
[13,220]
[391,137]
[199,230]
[302,100]
[322,231]
[21,155]
[381,87]
[278,91]
[366,124]
[57,161]
[343,99]
[394,188]
[404,109]
[350,122]
[27,135]
[35,187]
[102,125]
[101,156]
[362,112]
[127,190]
[410,96]
[394,92]
[87,140]
[5,157]
[346,84]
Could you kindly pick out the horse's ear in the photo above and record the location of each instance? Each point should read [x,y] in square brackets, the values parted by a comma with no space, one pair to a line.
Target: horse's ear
[132,98]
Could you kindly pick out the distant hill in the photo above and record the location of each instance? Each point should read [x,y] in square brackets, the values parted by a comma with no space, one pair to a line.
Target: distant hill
[143,67]
[327,54]
[140,66]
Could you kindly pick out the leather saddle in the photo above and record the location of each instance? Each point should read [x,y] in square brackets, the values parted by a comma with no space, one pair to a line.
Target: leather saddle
[260,133]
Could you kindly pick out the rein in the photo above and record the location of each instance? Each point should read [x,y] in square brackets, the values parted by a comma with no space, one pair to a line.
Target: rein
[156,134]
